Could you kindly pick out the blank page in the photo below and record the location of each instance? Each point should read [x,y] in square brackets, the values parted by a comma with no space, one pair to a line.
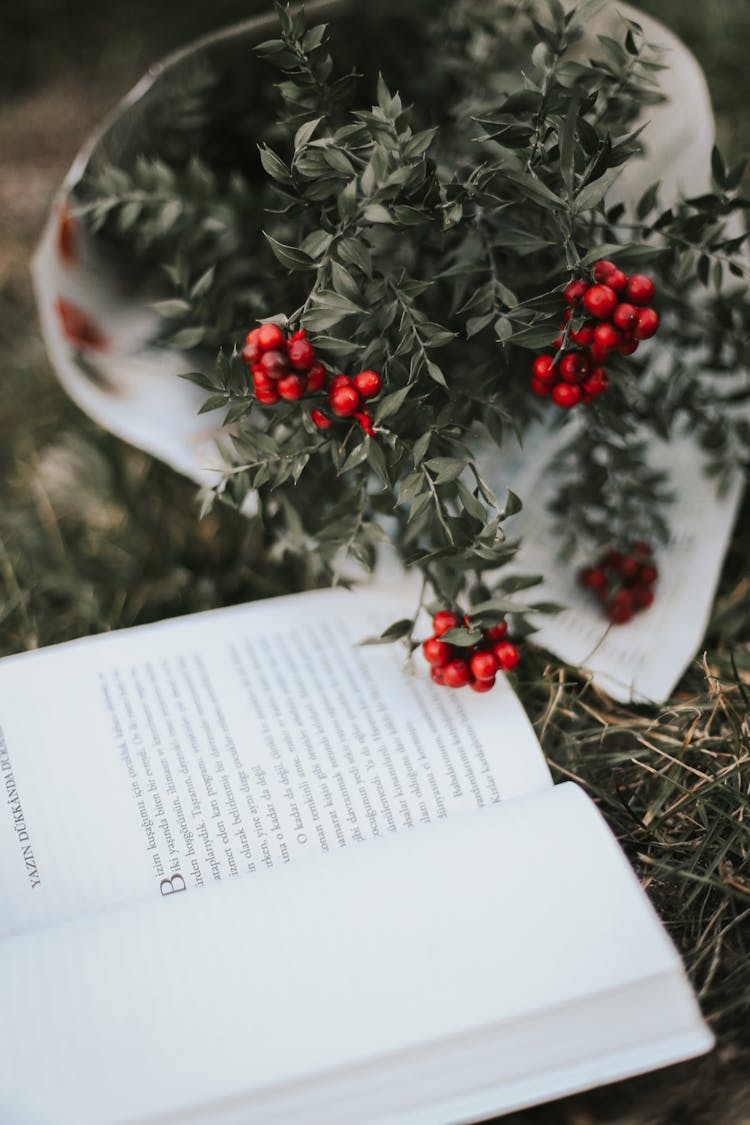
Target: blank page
[260,998]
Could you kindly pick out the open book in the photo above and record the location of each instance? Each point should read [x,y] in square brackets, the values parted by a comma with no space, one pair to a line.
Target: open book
[251,872]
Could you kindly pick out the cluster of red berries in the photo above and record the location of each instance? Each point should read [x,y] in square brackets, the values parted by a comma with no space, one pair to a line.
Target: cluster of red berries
[476,666]
[346,396]
[282,368]
[286,368]
[623,581]
[619,317]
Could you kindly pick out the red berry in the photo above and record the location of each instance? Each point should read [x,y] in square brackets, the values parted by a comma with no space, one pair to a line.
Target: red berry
[339,381]
[444,621]
[544,369]
[598,354]
[482,685]
[252,349]
[436,674]
[642,547]
[648,324]
[437,652]
[344,401]
[602,269]
[620,608]
[574,367]
[368,384]
[301,354]
[574,292]
[540,388]
[316,377]
[566,395]
[320,420]
[606,337]
[630,569]
[365,422]
[261,382]
[625,317]
[617,280]
[566,317]
[640,289]
[456,673]
[612,558]
[592,578]
[557,343]
[642,597]
[267,398]
[292,387]
[270,337]
[506,655]
[483,665]
[628,345]
[649,574]
[600,301]
[597,382]
[583,336]
[274,364]
[497,632]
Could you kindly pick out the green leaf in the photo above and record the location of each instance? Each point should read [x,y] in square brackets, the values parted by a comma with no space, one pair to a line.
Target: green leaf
[447,468]
[377,462]
[172,309]
[335,346]
[319,320]
[567,142]
[419,143]
[355,253]
[585,12]
[329,299]
[421,445]
[392,403]
[718,168]
[203,284]
[357,456]
[534,188]
[513,504]
[435,372]
[274,165]
[343,282]
[412,485]
[394,632]
[504,329]
[462,638]
[214,402]
[199,378]
[289,256]
[187,338]
[376,213]
[594,193]
[305,133]
[537,335]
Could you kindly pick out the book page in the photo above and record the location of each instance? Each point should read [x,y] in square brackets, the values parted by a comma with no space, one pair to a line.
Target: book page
[163,759]
[440,982]
[642,660]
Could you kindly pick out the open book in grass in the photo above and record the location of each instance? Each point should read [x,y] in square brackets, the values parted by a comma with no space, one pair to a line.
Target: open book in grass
[251,872]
